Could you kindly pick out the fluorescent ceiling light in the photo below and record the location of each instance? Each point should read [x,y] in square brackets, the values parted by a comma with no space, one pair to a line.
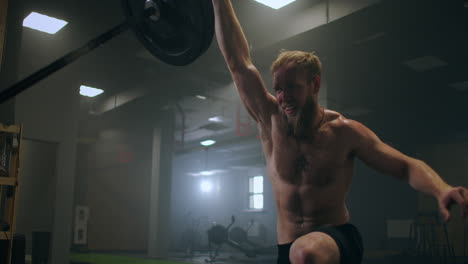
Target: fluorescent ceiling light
[201,97]
[90,91]
[460,86]
[207,142]
[425,63]
[216,119]
[43,23]
[275,4]
[205,173]
[370,38]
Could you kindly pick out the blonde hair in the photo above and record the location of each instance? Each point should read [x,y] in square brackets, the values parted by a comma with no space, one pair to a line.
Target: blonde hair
[301,59]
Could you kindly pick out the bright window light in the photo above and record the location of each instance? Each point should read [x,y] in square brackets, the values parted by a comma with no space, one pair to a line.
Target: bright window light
[275,4]
[256,201]
[256,192]
[256,184]
[207,142]
[43,23]
[206,186]
[90,91]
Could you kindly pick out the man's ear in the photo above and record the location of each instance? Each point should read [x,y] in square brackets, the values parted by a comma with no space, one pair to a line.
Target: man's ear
[316,82]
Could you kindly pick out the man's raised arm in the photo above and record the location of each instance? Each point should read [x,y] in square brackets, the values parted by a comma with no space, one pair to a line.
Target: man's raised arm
[235,49]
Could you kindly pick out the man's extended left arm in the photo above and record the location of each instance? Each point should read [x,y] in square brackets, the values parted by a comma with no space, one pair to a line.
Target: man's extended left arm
[423,178]
[380,156]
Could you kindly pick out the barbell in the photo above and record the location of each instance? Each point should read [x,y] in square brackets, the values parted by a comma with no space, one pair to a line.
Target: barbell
[176,32]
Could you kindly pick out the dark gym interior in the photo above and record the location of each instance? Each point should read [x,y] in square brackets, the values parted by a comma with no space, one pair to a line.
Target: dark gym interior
[122,177]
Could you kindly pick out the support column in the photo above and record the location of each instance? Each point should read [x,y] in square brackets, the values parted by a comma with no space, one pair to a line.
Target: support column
[63,215]
[160,189]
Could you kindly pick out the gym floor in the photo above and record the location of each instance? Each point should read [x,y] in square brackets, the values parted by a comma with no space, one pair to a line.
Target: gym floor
[271,259]
[237,258]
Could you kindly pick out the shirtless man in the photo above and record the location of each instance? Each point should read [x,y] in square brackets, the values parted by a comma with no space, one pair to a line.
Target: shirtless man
[310,152]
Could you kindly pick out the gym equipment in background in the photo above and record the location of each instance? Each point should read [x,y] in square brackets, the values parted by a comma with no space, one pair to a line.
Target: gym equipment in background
[236,237]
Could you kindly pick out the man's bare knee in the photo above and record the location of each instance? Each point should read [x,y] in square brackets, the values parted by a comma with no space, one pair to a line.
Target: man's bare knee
[314,248]
[301,254]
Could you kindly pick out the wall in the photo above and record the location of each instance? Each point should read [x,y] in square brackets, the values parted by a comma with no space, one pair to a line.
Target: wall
[49,112]
[113,176]
[35,208]
[54,119]
[123,176]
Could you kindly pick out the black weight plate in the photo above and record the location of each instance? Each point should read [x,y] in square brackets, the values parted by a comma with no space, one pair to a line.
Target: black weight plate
[209,20]
[183,32]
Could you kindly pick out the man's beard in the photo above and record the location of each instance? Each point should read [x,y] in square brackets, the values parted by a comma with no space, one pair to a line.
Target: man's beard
[301,124]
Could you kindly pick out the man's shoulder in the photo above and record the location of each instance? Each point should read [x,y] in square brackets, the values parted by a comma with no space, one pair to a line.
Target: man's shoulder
[340,123]
[335,119]
[348,132]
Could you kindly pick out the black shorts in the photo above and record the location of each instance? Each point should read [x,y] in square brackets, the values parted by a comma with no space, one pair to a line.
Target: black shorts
[346,236]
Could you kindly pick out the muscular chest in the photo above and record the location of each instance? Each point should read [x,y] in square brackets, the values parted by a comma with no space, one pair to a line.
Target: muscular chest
[317,162]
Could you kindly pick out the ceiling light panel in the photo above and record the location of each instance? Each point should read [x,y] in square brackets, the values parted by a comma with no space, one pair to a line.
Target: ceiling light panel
[90,91]
[207,143]
[460,86]
[275,4]
[425,63]
[44,23]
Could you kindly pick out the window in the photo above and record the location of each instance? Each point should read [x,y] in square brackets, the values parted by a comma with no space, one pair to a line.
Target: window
[256,193]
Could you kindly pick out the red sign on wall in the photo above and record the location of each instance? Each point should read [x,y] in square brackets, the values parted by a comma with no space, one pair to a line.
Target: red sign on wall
[243,127]
[125,155]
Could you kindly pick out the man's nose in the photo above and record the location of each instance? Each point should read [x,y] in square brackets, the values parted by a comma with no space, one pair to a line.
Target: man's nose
[287,95]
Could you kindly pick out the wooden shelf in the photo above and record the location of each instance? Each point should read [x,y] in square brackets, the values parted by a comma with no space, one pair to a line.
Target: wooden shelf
[8,181]
[14,174]
[10,129]
[5,235]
